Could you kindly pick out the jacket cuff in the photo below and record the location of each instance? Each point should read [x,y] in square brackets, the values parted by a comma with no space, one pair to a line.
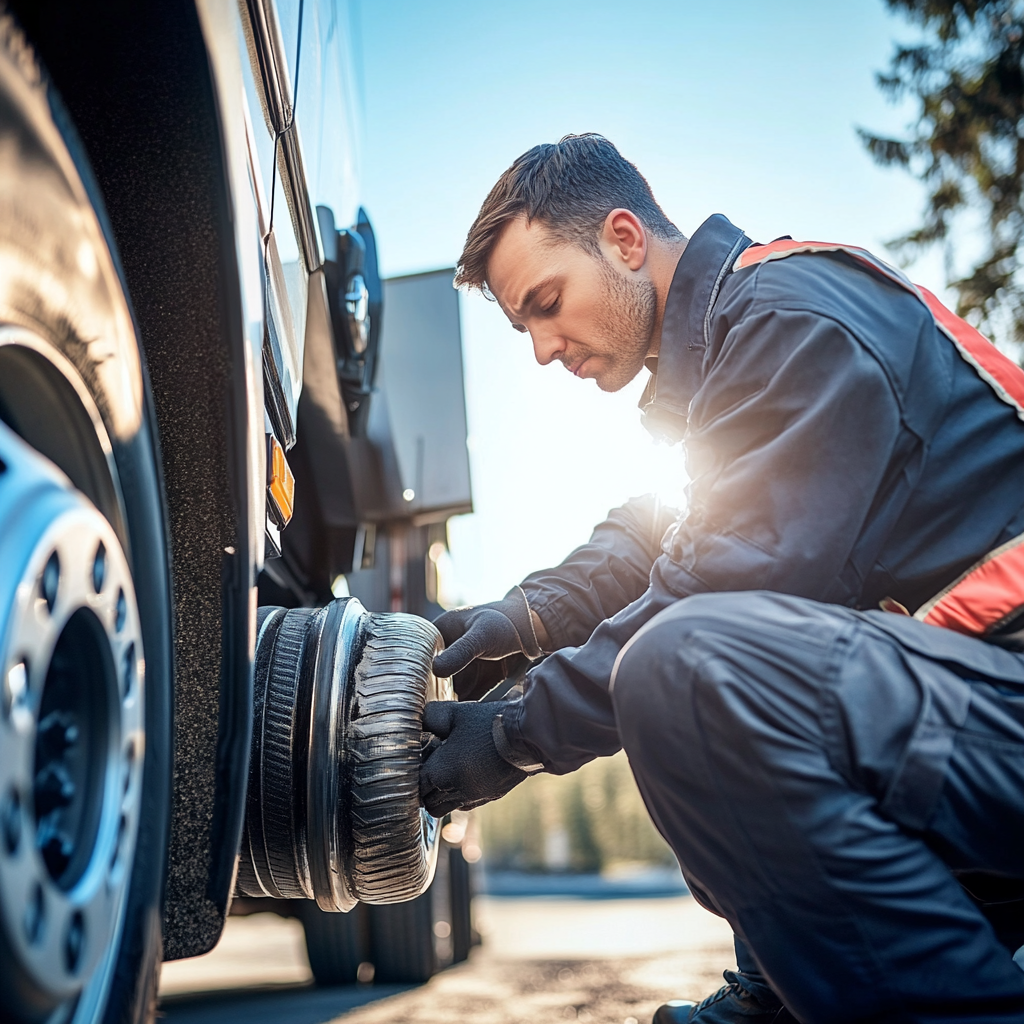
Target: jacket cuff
[514,755]
[547,611]
[518,612]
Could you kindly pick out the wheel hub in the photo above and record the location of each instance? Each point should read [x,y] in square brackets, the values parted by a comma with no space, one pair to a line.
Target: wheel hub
[71,730]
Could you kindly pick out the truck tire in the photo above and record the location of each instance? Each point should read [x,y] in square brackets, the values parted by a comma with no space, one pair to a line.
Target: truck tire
[333,810]
[410,942]
[85,662]
[398,939]
[402,942]
[461,884]
[395,841]
[336,944]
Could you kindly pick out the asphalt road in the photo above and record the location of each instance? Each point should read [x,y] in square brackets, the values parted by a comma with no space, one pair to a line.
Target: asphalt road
[544,959]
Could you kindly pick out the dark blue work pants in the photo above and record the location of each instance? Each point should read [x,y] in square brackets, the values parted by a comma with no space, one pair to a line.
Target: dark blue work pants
[821,773]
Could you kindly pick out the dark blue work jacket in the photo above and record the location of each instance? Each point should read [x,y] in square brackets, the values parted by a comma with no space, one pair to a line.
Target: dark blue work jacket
[838,447]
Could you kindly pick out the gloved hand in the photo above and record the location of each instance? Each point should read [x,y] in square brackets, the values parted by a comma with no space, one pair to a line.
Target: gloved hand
[481,642]
[465,770]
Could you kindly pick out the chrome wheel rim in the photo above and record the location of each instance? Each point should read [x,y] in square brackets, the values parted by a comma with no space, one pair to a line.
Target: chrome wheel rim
[71,728]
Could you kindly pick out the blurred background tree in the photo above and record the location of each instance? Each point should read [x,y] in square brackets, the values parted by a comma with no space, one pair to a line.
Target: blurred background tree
[590,821]
[967,145]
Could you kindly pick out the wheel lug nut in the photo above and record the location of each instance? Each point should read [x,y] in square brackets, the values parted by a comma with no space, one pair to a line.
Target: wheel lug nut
[10,822]
[99,568]
[57,852]
[74,941]
[53,790]
[57,733]
[51,581]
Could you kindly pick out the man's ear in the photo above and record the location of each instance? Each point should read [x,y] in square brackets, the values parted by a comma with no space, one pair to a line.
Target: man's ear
[624,238]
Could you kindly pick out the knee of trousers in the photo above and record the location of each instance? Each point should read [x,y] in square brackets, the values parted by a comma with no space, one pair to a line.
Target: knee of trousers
[754,644]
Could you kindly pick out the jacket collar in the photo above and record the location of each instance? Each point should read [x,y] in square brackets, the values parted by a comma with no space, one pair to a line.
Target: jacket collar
[685,334]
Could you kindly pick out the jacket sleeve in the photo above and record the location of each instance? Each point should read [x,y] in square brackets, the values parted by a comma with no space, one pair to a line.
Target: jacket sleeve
[602,576]
[791,437]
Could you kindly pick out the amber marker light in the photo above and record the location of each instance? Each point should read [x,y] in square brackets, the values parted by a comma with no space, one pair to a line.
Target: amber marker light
[281,483]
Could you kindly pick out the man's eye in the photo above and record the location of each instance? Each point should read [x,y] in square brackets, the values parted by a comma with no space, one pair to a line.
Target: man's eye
[551,309]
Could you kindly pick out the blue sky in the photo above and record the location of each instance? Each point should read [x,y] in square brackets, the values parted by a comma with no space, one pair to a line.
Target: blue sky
[742,107]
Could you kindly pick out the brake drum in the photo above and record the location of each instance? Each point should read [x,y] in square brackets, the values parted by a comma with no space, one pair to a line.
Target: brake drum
[333,810]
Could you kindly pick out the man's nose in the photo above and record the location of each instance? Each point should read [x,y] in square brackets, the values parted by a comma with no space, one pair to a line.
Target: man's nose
[547,347]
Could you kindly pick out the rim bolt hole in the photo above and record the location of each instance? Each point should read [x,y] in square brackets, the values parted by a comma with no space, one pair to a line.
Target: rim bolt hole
[122,828]
[51,581]
[99,568]
[10,822]
[35,915]
[129,763]
[129,671]
[74,942]
[122,611]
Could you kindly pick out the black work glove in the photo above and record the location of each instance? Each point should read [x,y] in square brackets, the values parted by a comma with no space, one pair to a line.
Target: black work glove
[482,643]
[465,769]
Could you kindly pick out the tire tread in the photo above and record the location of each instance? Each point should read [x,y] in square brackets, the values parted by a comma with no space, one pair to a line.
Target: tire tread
[279,805]
[389,861]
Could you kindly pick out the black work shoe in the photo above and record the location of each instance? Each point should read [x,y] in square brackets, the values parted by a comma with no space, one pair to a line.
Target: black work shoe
[733,1003]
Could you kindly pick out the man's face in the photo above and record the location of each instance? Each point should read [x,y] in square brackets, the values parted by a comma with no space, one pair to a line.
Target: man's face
[592,313]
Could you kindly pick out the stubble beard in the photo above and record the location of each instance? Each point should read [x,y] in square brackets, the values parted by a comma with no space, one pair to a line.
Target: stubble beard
[626,326]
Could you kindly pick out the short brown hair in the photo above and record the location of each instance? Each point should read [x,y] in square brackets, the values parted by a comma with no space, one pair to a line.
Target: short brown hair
[570,186]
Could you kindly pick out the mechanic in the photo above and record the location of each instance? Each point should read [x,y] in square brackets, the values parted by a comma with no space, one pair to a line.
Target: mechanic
[843,784]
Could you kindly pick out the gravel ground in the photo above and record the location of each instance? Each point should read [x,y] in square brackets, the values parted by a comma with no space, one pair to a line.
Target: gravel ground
[543,960]
[488,990]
